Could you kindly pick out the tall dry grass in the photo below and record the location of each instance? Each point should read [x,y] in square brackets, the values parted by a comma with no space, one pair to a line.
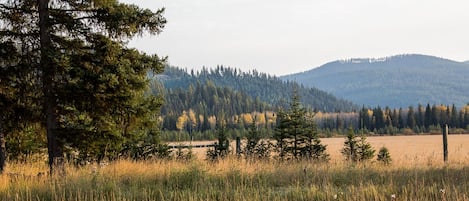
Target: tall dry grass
[415,178]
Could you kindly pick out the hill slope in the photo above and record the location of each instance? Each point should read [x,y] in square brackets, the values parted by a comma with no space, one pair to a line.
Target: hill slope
[397,81]
[257,85]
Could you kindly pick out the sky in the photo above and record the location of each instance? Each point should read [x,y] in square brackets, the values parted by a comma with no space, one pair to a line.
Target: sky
[282,37]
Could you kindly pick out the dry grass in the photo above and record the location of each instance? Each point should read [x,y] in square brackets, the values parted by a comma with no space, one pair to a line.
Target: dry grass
[417,173]
[407,151]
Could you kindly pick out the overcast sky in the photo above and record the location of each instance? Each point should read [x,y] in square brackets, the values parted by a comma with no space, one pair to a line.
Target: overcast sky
[282,37]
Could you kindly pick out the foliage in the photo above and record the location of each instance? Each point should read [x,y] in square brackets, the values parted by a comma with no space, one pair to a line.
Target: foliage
[350,150]
[260,87]
[194,109]
[256,148]
[83,84]
[422,119]
[25,143]
[384,156]
[296,133]
[365,150]
[357,150]
[222,147]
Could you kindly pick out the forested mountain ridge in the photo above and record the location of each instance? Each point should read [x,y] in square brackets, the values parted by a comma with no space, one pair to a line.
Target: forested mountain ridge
[259,86]
[397,81]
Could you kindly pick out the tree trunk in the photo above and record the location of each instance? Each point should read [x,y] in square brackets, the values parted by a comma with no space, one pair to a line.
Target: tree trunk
[54,146]
[2,152]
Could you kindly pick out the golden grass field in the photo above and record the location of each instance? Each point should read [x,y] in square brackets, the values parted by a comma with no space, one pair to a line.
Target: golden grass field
[416,173]
[404,150]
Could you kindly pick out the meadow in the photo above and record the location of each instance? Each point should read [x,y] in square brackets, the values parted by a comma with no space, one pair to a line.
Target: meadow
[417,172]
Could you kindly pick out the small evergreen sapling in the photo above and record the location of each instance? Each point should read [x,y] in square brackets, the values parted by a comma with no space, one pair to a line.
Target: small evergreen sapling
[356,150]
[384,156]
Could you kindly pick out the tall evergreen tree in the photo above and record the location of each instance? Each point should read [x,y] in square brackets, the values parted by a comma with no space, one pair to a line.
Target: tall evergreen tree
[411,122]
[90,82]
[428,117]
[454,121]
[378,117]
[402,123]
[296,133]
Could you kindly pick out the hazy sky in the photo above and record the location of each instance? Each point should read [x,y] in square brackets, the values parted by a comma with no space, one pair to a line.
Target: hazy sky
[281,37]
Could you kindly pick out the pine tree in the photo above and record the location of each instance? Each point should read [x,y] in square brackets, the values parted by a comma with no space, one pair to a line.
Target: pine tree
[90,84]
[350,149]
[356,150]
[252,138]
[222,147]
[256,148]
[296,133]
[281,134]
[384,156]
[411,123]
[365,151]
[428,117]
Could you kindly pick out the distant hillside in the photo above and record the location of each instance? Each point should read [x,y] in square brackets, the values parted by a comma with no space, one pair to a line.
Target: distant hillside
[397,81]
[258,86]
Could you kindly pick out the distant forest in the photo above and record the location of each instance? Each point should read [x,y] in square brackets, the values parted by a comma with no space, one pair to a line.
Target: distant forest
[201,97]
[194,101]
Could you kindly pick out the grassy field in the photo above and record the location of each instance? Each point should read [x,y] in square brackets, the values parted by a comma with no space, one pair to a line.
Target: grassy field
[405,150]
[417,173]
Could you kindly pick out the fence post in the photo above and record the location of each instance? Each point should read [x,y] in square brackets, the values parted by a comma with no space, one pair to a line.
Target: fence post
[238,146]
[445,143]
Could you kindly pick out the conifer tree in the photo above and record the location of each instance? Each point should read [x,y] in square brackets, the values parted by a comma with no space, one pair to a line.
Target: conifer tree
[222,146]
[365,150]
[350,149]
[356,150]
[296,133]
[252,138]
[384,156]
[90,85]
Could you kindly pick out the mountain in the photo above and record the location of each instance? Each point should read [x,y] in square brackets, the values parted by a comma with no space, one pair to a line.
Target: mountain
[466,62]
[258,86]
[397,81]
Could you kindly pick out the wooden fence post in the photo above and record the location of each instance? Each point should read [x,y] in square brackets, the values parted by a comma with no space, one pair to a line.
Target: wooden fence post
[238,146]
[445,143]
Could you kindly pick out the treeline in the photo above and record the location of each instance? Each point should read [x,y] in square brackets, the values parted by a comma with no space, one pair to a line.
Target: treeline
[261,86]
[420,119]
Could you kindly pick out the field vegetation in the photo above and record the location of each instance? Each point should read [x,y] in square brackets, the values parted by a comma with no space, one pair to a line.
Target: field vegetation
[417,172]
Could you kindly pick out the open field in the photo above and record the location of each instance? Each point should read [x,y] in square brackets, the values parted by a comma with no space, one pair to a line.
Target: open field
[416,173]
[405,150]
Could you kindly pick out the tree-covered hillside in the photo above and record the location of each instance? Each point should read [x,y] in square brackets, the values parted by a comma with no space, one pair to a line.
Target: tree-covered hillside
[397,81]
[259,86]
[201,104]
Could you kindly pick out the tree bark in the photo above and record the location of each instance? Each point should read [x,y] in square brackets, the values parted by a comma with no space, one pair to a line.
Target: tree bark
[2,151]
[54,146]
